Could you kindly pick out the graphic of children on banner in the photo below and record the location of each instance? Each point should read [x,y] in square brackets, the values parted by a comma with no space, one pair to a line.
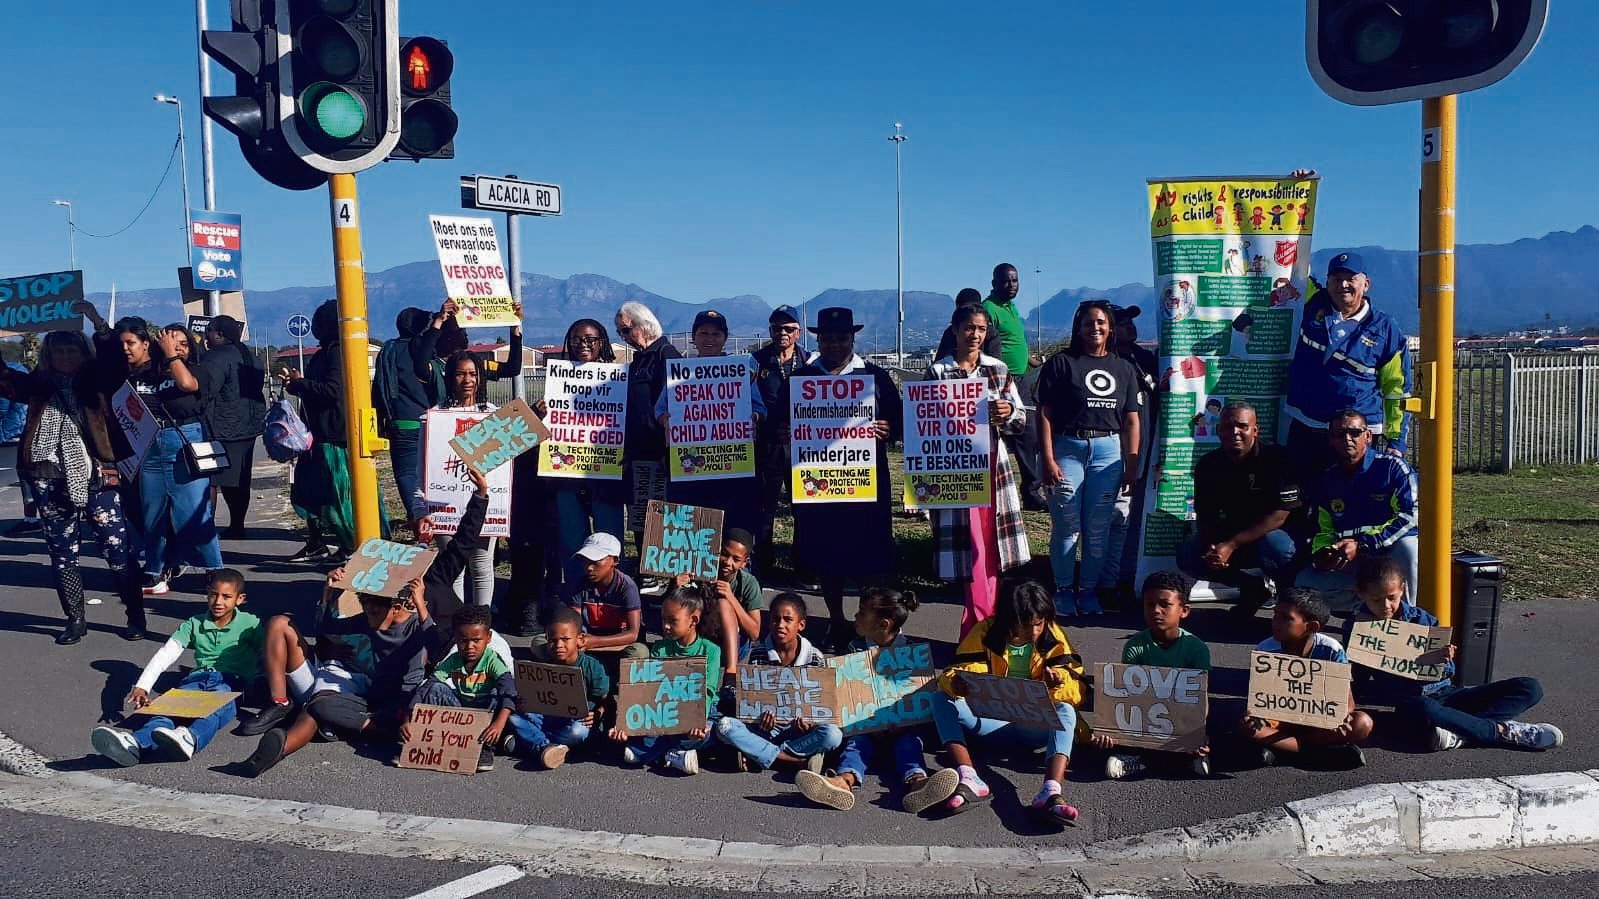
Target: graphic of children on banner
[711,434]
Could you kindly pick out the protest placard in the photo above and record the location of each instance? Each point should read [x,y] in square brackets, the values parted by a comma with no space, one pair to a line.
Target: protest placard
[661,696]
[1019,700]
[383,567]
[187,703]
[1149,707]
[447,482]
[649,482]
[1296,690]
[512,430]
[947,444]
[788,693]
[138,426]
[558,690]
[887,686]
[444,738]
[711,426]
[833,435]
[474,274]
[1413,651]
[587,417]
[35,303]
[681,539]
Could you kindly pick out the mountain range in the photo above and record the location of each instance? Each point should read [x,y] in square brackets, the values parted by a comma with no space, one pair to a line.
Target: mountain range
[1499,287]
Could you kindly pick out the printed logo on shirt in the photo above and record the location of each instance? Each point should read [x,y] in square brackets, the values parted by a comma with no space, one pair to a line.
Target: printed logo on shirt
[1337,506]
[1100,382]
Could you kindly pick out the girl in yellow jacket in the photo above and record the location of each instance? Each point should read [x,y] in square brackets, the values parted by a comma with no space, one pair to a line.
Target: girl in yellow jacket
[1021,640]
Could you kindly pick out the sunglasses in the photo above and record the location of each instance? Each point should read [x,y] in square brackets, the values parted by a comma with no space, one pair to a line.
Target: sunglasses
[785,329]
[1349,432]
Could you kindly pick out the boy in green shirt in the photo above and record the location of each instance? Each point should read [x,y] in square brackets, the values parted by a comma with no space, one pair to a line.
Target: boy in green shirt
[472,677]
[545,737]
[227,658]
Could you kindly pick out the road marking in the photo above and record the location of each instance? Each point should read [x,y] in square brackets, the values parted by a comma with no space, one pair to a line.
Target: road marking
[473,884]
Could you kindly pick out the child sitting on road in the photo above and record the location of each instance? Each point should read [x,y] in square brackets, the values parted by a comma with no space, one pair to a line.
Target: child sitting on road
[474,677]
[1448,716]
[1296,630]
[608,601]
[796,742]
[1021,640]
[680,619]
[1163,644]
[739,599]
[547,738]
[879,622]
[227,657]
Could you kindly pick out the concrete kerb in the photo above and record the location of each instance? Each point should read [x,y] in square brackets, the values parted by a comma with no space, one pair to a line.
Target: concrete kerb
[1387,822]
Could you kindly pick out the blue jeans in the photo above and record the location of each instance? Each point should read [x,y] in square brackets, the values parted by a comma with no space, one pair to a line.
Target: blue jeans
[574,507]
[1338,587]
[759,745]
[534,732]
[404,448]
[856,756]
[648,750]
[205,728]
[1091,475]
[1274,554]
[1473,712]
[955,719]
[176,507]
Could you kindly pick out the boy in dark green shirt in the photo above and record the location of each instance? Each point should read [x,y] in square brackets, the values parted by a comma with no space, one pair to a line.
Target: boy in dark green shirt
[547,738]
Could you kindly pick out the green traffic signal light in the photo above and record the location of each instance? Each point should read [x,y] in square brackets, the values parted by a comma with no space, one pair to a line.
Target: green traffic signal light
[336,112]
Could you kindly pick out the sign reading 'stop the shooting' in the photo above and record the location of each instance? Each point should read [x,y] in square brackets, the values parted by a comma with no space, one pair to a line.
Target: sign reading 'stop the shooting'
[1232,256]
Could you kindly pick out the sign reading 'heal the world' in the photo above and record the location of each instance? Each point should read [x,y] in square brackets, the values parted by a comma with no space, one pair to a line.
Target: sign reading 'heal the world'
[512,430]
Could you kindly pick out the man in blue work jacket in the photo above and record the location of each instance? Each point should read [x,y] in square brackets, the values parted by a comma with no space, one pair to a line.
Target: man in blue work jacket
[1350,355]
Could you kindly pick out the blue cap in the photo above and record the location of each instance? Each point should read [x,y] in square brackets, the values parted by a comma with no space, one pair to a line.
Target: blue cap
[784,315]
[1348,262]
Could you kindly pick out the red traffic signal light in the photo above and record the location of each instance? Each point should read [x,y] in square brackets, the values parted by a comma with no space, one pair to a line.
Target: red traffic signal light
[427,123]
[426,65]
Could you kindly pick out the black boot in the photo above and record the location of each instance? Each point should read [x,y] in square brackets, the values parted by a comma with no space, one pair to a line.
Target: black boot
[69,589]
[133,603]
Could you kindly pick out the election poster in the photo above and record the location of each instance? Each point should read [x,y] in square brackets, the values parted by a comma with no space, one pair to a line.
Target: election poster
[36,303]
[512,430]
[833,435]
[947,444]
[138,426]
[587,418]
[1232,259]
[1151,707]
[447,481]
[711,421]
[474,273]
[216,250]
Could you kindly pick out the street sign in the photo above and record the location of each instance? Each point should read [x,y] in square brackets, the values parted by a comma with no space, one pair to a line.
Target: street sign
[299,326]
[510,195]
[216,254]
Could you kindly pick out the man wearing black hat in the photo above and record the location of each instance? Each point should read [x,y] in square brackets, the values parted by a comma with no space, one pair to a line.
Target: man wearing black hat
[774,365]
[841,541]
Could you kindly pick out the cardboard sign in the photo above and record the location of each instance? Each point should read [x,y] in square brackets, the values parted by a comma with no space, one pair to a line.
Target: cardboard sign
[1295,690]
[681,539]
[711,430]
[512,430]
[587,405]
[788,693]
[661,696]
[447,482]
[884,687]
[445,738]
[138,425]
[1148,707]
[649,482]
[187,703]
[474,273]
[833,438]
[383,567]
[558,690]
[1414,651]
[1019,700]
[947,444]
[37,303]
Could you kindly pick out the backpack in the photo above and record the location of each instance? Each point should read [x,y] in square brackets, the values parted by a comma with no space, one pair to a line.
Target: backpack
[284,434]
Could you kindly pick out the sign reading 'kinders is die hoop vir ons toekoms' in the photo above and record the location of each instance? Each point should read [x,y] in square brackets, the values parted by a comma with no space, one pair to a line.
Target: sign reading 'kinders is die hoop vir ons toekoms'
[587,417]
[1296,690]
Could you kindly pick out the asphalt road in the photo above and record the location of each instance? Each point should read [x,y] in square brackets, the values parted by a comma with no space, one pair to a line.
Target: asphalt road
[69,689]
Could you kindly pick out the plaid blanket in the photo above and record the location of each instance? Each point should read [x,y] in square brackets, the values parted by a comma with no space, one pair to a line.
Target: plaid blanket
[952,533]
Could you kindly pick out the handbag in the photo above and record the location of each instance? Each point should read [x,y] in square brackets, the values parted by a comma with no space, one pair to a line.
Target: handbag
[203,458]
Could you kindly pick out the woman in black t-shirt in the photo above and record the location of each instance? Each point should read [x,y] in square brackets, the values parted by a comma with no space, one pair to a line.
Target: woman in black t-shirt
[1088,427]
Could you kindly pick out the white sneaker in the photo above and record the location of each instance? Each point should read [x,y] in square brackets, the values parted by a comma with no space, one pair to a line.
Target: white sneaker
[1444,739]
[1120,766]
[684,760]
[1531,736]
[115,744]
[1201,766]
[178,740]
[629,756]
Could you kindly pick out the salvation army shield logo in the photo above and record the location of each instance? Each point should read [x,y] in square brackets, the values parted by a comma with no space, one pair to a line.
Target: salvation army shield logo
[1100,383]
[1287,252]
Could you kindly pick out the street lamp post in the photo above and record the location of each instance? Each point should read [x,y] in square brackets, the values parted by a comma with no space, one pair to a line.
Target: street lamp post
[1038,309]
[899,245]
[72,232]
[213,299]
[183,160]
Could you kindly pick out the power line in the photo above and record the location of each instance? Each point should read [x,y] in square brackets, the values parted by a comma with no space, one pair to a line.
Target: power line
[146,208]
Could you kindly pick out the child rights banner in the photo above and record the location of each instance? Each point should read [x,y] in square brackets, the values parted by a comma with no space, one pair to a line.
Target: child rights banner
[1232,256]
[447,481]
[947,444]
[833,435]
[711,429]
[587,418]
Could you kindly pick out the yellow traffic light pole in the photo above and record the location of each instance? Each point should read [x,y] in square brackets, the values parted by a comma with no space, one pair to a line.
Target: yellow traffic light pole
[1436,375]
[360,419]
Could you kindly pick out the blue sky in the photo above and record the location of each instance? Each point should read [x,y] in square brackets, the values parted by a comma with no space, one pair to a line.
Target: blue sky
[711,149]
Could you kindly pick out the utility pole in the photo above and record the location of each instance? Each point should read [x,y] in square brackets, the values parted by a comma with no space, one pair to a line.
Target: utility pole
[513,266]
[1437,374]
[183,161]
[213,300]
[1038,310]
[899,244]
[360,419]
[72,232]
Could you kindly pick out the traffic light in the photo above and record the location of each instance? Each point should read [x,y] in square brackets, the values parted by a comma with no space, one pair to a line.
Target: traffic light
[427,123]
[250,52]
[339,86]
[1372,52]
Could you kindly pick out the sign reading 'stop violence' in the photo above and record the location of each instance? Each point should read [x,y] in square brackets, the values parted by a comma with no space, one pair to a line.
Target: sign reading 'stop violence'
[833,433]
[34,303]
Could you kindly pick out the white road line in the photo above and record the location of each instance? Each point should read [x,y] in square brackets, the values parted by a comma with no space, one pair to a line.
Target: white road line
[473,884]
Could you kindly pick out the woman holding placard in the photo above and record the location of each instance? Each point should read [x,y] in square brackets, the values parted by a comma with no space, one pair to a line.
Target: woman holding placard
[977,544]
[463,392]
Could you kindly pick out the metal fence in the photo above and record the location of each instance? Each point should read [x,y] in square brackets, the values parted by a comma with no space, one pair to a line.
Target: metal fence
[1553,400]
